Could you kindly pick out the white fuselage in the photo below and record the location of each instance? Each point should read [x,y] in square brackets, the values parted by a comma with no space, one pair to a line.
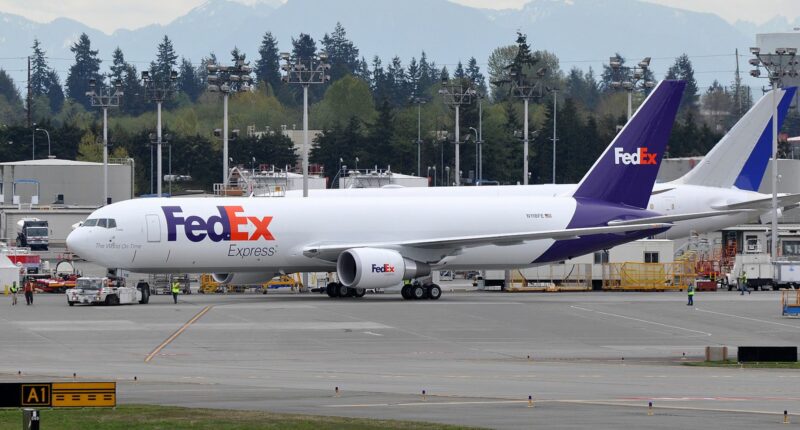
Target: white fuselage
[667,199]
[141,239]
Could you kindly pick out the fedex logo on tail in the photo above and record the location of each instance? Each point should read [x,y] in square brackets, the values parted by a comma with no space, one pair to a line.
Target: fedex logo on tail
[229,225]
[641,156]
[386,268]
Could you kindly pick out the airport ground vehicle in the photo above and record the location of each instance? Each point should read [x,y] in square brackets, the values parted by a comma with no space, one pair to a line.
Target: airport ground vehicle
[757,267]
[33,233]
[106,291]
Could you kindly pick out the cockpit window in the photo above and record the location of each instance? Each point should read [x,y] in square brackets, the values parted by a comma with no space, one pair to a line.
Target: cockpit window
[112,223]
[102,222]
[90,222]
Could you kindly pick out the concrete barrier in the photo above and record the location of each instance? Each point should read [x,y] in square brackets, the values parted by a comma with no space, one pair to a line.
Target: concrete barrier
[716,353]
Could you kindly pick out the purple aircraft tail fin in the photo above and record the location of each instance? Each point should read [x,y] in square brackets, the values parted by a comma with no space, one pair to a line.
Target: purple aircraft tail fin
[627,170]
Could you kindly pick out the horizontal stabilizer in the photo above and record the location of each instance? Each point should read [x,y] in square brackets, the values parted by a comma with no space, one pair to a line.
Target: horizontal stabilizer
[763,203]
[679,217]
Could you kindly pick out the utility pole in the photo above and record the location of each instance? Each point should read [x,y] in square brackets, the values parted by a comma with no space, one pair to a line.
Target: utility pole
[456,94]
[627,78]
[782,62]
[555,118]
[105,98]
[158,91]
[227,80]
[305,72]
[419,102]
[29,91]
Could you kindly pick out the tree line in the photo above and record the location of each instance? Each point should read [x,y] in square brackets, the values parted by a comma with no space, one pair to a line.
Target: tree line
[371,111]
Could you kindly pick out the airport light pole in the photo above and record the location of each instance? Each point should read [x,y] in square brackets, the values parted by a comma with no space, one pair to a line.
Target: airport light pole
[227,80]
[477,154]
[48,140]
[480,139]
[305,72]
[158,90]
[628,78]
[555,138]
[457,93]
[779,64]
[419,102]
[104,98]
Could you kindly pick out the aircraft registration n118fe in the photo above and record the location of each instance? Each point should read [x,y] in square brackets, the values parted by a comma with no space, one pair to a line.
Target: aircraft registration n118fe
[377,243]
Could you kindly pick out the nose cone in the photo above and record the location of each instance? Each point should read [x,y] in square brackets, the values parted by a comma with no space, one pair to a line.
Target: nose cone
[76,242]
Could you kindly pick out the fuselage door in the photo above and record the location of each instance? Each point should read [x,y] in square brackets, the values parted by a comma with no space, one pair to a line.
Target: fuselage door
[153,228]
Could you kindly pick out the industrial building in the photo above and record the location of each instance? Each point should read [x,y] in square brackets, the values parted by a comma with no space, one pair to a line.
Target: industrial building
[62,192]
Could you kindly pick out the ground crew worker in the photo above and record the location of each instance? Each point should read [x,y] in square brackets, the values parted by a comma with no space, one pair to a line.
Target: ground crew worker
[690,291]
[176,288]
[14,290]
[29,292]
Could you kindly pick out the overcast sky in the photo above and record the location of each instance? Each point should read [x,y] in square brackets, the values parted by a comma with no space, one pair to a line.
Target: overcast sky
[109,15]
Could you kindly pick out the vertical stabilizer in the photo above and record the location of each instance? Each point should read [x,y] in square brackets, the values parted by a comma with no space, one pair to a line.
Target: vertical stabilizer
[627,170]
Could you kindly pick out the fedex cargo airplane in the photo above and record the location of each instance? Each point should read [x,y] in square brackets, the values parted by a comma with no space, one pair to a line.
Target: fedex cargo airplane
[377,243]
[727,178]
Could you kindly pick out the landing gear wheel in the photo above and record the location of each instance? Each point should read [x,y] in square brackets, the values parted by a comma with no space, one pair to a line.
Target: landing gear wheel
[344,291]
[406,292]
[359,292]
[145,289]
[434,292]
[332,289]
[417,292]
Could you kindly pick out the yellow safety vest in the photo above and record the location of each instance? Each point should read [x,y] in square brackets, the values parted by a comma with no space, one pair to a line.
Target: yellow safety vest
[176,288]
[691,291]
[14,288]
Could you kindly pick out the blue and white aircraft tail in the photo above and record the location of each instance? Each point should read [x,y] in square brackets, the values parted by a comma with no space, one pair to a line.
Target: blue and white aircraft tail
[724,166]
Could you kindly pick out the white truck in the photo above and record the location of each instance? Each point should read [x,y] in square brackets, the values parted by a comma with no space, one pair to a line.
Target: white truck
[106,291]
[757,267]
[33,233]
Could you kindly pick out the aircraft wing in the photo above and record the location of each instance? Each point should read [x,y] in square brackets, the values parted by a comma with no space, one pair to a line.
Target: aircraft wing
[764,203]
[331,251]
[680,217]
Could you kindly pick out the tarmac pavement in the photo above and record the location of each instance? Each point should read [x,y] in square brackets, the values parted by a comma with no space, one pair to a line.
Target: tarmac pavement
[588,359]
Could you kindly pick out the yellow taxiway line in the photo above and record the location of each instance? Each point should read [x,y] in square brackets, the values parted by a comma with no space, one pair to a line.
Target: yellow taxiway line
[176,334]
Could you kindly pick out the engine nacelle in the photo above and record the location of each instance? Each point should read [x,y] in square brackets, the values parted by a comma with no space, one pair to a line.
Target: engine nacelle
[242,278]
[377,268]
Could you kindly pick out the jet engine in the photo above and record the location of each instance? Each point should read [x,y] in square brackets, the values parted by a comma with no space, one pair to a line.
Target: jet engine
[242,278]
[377,268]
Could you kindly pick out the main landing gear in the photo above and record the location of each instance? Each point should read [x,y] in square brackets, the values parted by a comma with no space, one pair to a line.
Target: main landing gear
[335,289]
[419,292]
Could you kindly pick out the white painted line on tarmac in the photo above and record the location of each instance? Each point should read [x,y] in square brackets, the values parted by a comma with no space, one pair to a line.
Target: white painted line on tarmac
[431,403]
[747,318]
[642,321]
[656,407]
[373,334]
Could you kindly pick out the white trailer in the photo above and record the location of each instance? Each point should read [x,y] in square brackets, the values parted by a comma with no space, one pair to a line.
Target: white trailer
[106,291]
[788,274]
[757,267]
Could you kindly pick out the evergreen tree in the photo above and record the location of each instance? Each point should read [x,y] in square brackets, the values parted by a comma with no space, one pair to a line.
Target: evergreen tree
[304,48]
[86,67]
[132,101]
[166,60]
[8,89]
[39,71]
[682,70]
[268,64]
[475,76]
[237,56]
[362,72]
[342,54]
[444,76]
[55,94]
[341,142]
[459,73]
[428,75]
[188,81]
[381,87]
[412,77]
[396,80]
